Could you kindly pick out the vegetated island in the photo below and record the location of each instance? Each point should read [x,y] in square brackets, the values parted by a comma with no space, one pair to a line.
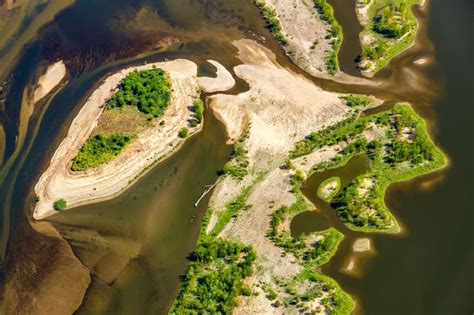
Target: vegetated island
[389,28]
[251,208]
[313,45]
[135,118]
[329,188]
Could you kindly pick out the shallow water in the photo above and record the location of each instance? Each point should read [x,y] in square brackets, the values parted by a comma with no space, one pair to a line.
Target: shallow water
[150,232]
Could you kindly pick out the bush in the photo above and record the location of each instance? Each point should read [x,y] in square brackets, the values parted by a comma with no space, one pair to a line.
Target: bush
[354,100]
[60,205]
[148,90]
[198,108]
[100,149]
[183,132]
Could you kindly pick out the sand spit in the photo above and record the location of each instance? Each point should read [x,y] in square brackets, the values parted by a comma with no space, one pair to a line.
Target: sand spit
[280,108]
[55,73]
[223,82]
[152,145]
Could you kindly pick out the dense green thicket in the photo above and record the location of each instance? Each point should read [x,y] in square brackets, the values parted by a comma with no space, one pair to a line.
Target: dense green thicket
[270,16]
[100,149]
[392,21]
[214,278]
[405,151]
[335,34]
[60,205]
[356,100]
[148,90]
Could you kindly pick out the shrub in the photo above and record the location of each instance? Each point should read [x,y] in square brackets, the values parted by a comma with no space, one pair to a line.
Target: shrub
[100,149]
[60,205]
[198,108]
[183,132]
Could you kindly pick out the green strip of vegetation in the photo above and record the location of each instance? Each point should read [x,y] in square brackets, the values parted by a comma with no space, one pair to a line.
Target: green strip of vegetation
[237,167]
[403,152]
[232,210]
[60,205]
[270,16]
[215,278]
[335,35]
[392,28]
[357,100]
[100,149]
[198,108]
[329,188]
[148,90]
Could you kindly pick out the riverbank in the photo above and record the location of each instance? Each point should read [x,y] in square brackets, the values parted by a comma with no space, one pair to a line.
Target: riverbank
[152,145]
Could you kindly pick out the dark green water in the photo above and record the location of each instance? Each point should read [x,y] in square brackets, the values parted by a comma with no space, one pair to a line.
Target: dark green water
[149,229]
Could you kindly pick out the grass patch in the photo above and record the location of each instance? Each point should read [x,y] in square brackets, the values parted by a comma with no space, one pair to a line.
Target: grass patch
[60,205]
[404,152]
[392,28]
[124,120]
[100,149]
[148,90]
[335,35]
[329,188]
[357,100]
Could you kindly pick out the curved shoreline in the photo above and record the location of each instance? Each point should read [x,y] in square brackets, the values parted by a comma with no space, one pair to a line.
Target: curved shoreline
[151,146]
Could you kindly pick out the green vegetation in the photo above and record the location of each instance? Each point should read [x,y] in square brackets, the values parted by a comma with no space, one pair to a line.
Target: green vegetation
[270,16]
[148,90]
[100,149]
[183,132]
[214,278]
[403,152]
[391,21]
[198,108]
[335,35]
[336,301]
[237,167]
[232,210]
[391,29]
[329,188]
[60,205]
[312,250]
[357,100]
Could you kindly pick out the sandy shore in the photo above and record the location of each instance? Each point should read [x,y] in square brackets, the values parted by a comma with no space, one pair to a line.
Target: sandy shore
[152,145]
[280,108]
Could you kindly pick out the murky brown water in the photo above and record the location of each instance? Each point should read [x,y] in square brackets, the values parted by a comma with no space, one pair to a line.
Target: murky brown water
[136,245]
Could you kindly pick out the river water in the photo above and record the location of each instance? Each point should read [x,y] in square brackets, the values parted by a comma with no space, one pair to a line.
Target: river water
[136,245]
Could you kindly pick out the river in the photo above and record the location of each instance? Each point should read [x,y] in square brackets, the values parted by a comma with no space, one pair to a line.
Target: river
[136,245]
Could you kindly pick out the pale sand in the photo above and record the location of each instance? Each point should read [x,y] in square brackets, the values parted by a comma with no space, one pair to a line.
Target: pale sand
[152,145]
[362,245]
[280,108]
[55,73]
[223,82]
